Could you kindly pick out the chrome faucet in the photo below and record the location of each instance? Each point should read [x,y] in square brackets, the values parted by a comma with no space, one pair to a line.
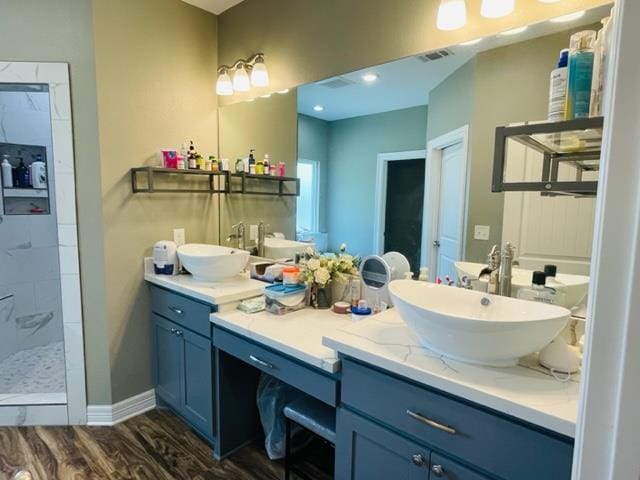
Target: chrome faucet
[506,267]
[492,271]
[238,236]
[262,234]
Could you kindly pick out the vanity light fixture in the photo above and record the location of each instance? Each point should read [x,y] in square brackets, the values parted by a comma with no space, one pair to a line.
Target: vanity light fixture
[496,8]
[369,77]
[318,108]
[514,31]
[471,42]
[254,66]
[452,14]
[570,17]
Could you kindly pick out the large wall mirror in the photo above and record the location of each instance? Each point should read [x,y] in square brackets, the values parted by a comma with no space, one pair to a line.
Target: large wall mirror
[400,156]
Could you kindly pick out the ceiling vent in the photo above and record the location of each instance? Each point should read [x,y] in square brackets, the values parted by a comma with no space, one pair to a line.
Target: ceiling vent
[339,82]
[435,55]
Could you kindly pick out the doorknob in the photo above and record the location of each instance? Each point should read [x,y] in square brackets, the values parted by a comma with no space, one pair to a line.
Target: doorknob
[436,243]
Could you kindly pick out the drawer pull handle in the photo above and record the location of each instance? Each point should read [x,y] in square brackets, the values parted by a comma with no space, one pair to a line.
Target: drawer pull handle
[437,470]
[418,460]
[431,423]
[173,331]
[262,363]
[177,310]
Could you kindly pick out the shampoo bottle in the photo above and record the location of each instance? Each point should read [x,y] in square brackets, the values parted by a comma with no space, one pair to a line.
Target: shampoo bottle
[580,75]
[7,172]
[558,88]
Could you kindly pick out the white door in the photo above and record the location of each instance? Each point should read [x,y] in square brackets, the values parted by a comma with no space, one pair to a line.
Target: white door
[451,198]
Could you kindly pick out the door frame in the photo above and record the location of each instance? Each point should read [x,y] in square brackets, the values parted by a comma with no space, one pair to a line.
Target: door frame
[316,193]
[382,169]
[433,169]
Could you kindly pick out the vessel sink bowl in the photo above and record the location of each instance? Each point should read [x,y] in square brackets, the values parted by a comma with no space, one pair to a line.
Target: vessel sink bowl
[476,327]
[575,287]
[276,248]
[212,263]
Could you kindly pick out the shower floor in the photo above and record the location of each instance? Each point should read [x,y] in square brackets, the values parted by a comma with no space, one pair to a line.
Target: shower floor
[34,376]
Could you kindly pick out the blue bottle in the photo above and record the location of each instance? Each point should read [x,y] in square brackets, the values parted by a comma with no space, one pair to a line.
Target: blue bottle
[580,75]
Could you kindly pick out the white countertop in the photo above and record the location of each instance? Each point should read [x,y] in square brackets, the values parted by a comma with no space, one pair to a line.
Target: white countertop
[214,293]
[526,391]
[297,334]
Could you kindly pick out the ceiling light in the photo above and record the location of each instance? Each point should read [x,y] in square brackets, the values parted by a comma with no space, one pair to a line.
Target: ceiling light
[286,90]
[224,85]
[548,1]
[514,31]
[569,17]
[241,79]
[318,108]
[496,8]
[452,14]
[471,42]
[259,73]
[268,95]
[370,77]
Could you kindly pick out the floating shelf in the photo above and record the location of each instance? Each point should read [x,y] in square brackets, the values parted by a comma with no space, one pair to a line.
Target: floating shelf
[151,174]
[576,143]
[13,192]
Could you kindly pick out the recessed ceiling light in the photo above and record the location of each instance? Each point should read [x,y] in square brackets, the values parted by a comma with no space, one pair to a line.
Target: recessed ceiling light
[496,8]
[370,77]
[266,95]
[514,31]
[318,108]
[569,17]
[452,14]
[286,90]
[471,42]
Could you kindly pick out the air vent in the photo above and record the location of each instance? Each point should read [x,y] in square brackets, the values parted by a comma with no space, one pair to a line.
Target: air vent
[339,82]
[435,55]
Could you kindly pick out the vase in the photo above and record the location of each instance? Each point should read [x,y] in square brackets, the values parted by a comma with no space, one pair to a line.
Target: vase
[320,296]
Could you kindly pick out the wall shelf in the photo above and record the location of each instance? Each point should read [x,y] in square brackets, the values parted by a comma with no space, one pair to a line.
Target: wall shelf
[576,143]
[13,192]
[145,180]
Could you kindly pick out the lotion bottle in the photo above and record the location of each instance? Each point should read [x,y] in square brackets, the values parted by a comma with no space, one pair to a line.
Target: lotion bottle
[558,88]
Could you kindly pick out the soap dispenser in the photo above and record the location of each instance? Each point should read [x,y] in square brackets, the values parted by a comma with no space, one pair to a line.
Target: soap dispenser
[539,292]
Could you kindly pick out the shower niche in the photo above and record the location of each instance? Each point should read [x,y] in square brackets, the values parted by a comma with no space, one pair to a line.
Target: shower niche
[25,179]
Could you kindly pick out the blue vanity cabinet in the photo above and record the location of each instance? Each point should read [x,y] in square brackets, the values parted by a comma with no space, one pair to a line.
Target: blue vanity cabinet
[184,358]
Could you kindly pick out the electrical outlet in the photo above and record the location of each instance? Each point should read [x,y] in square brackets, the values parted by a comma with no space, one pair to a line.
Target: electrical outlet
[481,232]
[179,236]
[253,232]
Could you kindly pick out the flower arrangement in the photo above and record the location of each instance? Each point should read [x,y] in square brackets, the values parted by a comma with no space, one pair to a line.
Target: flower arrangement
[321,270]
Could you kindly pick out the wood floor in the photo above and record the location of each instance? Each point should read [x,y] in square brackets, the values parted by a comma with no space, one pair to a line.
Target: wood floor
[153,446]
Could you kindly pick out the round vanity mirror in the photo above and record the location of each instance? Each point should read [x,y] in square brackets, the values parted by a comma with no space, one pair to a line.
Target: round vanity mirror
[375,272]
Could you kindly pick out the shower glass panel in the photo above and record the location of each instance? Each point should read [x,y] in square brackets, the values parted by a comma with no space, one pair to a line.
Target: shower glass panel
[32,368]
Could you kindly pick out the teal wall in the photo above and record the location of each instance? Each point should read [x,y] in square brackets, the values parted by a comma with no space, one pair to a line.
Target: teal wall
[354,145]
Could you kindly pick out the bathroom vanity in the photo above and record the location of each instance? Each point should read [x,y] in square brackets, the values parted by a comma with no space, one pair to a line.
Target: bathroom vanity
[401,409]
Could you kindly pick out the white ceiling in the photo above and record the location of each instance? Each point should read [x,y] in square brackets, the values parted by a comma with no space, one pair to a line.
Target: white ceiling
[214,6]
[407,82]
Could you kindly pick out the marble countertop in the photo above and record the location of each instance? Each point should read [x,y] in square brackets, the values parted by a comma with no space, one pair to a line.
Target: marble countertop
[527,391]
[297,334]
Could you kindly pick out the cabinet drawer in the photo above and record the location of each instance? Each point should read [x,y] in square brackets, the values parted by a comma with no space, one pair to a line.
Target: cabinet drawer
[184,311]
[310,380]
[443,468]
[496,444]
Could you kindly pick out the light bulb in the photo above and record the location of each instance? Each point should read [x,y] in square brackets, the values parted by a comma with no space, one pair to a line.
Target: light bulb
[496,8]
[569,17]
[224,85]
[241,80]
[452,14]
[370,77]
[318,108]
[259,75]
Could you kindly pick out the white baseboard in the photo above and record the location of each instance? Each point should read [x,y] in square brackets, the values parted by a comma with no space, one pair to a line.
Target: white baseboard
[108,415]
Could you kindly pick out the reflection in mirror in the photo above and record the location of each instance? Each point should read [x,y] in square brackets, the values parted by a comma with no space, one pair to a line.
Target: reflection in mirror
[399,157]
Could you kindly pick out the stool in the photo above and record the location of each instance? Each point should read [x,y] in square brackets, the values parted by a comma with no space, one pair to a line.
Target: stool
[313,415]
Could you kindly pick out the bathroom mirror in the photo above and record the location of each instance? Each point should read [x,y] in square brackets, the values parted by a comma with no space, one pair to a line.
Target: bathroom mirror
[400,156]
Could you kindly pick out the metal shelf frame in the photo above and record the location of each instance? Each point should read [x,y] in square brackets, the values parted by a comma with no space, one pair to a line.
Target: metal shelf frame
[586,160]
[281,181]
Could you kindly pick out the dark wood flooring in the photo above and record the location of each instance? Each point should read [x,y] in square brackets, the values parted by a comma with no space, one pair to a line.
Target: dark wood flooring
[153,446]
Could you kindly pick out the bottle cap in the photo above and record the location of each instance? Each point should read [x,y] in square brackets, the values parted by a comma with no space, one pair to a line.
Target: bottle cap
[563,61]
[550,270]
[583,40]
[539,278]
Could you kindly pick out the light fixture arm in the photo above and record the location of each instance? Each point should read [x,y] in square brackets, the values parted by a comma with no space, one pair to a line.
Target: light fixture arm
[248,63]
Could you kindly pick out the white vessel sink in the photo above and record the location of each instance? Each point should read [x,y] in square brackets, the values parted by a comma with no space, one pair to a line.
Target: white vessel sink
[282,248]
[575,287]
[212,263]
[473,326]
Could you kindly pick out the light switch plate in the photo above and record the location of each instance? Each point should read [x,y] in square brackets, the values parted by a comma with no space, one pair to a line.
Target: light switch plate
[481,232]
[253,232]
[179,236]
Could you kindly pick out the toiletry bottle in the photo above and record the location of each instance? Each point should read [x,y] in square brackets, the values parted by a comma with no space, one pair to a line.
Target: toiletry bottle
[538,292]
[265,164]
[180,163]
[22,174]
[192,156]
[239,165]
[580,75]
[601,54]
[215,165]
[558,88]
[184,152]
[7,172]
[207,163]
[424,274]
[272,169]
[252,162]
[281,168]
[260,168]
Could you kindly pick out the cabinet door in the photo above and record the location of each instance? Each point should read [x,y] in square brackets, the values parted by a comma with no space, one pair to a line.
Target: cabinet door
[368,451]
[443,468]
[197,387]
[168,364]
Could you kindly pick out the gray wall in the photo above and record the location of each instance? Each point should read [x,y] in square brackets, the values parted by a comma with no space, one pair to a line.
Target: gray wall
[354,145]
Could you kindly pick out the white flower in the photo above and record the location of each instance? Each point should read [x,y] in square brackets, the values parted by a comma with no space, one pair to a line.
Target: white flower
[313,264]
[310,251]
[322,276]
